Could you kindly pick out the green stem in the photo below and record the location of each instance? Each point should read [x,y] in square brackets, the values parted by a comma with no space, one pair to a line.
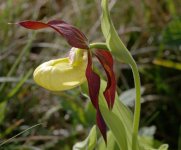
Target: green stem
[137,110]
[98,46]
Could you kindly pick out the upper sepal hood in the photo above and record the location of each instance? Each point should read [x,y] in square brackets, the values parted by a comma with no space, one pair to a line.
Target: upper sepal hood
[73,35]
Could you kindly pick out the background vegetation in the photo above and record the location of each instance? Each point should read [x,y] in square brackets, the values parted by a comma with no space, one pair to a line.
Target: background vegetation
[150,29]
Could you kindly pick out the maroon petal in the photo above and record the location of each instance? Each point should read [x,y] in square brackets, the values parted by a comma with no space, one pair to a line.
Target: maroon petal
[73,36]
[93,82]
[106,60]
[101,125]
[94,86]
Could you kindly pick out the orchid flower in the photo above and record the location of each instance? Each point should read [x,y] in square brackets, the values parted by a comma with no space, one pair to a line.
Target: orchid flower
[66,73]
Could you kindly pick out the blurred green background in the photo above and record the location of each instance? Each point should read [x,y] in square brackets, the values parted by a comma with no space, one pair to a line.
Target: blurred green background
[151,29]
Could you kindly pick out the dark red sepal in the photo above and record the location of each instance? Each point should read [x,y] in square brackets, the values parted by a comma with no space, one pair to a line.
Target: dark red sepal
[34,25]
[94,87]
[106,60]
[73,36]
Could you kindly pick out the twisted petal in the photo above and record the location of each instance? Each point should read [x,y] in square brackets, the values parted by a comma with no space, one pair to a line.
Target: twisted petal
[106,60]
[94,87]
[73,36]
[93,82]
[101,125]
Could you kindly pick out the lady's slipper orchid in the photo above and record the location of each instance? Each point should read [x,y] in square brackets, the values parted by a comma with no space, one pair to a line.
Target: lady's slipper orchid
[66,73]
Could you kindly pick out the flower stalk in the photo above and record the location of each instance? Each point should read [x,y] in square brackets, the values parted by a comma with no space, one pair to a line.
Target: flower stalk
[98,46]
[137,110]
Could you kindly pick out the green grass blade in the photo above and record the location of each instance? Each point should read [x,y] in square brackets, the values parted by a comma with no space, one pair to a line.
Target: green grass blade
[19,85]
[18,60]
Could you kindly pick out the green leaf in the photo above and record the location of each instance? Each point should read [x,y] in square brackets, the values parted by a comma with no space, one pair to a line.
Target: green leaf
[112,145]
[89,143]
[113,41]
[116,126]
[149,143]
[120,52]
[119,120]
[163,147]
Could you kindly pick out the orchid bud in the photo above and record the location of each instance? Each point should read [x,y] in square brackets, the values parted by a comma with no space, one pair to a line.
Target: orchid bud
[64,73]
